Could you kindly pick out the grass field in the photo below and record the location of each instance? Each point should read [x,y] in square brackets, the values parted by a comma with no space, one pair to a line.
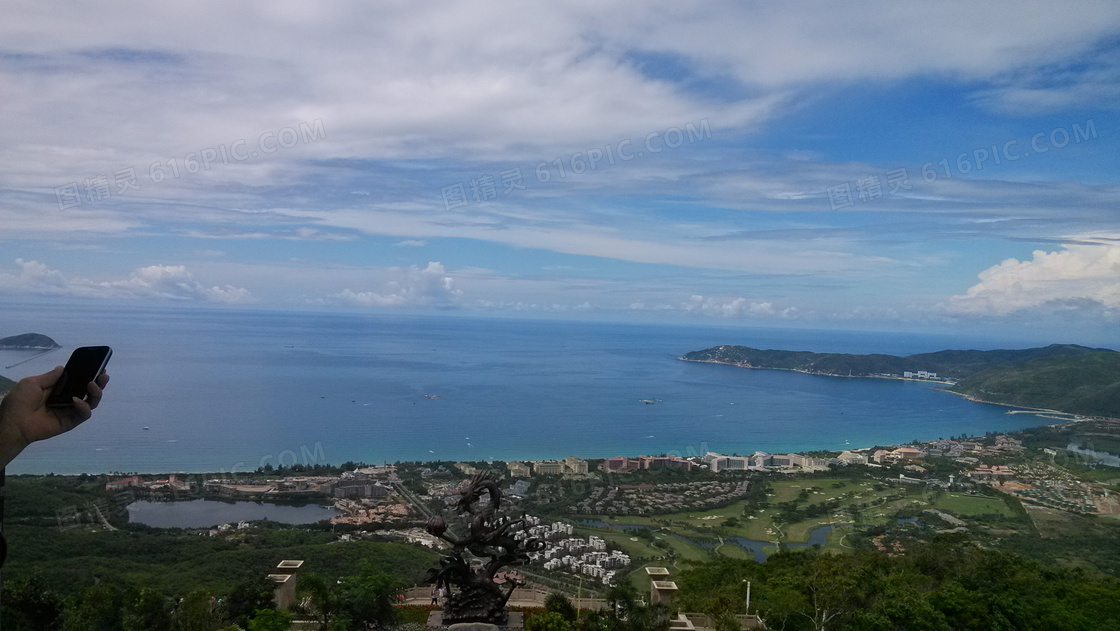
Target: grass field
[965,505]
[705,526]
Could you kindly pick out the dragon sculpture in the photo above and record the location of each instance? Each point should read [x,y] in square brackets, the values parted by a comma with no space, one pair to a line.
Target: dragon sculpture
[477,597]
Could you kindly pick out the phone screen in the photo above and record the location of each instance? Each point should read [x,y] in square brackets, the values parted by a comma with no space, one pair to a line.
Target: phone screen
[84,366]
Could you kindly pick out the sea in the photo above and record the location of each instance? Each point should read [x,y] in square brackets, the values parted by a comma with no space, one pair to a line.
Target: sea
[220,390]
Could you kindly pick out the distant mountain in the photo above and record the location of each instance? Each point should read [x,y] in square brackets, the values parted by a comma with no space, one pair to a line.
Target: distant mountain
[28,341]
[1086,383]
[1063,377]
[948,364]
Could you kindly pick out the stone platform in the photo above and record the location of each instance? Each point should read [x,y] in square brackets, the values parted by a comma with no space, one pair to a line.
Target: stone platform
[516,621]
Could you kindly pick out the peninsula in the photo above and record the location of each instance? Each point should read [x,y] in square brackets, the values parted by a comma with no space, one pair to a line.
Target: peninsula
[1063,377]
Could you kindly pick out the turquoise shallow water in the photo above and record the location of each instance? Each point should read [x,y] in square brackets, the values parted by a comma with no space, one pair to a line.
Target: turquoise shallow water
[232,390]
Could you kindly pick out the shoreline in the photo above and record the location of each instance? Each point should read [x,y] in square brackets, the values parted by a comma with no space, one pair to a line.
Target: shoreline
[814,373]
[1019,409]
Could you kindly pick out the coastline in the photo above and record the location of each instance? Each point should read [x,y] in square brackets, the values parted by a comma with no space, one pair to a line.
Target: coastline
[1020,409]
[813,372]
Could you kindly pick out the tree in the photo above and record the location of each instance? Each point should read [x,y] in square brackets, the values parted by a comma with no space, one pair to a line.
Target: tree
[270,620]
[727,622]
[196,613]
[94,608]
[246,598]
[778,605]
[828,583]
[624,613]
[146,610]
[557,602]
[366,600]
[29,604]
[324,602]
[547,621]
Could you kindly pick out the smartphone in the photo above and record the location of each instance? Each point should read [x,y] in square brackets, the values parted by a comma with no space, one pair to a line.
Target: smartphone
[85,365]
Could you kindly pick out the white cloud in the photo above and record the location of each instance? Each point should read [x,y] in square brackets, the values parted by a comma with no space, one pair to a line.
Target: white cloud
[466,89]
[407,287]
[468,79]
[735,307]
[1083,275]
[167,282]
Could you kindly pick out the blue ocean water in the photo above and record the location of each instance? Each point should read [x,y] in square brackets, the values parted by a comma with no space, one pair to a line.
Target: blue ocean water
[225,390]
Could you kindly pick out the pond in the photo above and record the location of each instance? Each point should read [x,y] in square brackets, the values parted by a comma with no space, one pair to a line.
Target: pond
[817,537]
[208,513]
[1103,457]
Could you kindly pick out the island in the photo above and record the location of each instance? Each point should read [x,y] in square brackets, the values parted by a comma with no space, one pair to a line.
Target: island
[28,342]
[1060,377]
[24,342]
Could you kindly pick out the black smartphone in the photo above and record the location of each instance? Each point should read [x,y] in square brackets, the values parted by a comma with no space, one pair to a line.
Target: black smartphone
[85,365]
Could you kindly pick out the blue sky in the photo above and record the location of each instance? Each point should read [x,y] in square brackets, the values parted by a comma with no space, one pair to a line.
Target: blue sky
[935,166]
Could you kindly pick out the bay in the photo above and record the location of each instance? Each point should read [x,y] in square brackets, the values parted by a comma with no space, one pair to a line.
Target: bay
[230,390]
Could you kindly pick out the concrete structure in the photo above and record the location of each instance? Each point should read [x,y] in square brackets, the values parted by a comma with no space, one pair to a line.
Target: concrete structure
[762,461]
[620,464]
[548,467]
[907,453]
[665,462]
[662,592]
[361,488]
[704,622]
[719,462]
[518,469]
[574,466]
[519,490]
[284,583]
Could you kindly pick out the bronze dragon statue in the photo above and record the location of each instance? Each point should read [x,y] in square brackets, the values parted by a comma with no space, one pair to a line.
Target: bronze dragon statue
[477,598]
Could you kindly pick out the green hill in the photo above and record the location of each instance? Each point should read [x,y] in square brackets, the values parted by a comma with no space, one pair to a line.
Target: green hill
[5,385]
[28,341]
[948,364]
[1080,384]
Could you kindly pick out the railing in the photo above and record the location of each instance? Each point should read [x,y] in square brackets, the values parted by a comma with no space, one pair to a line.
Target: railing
[522,597]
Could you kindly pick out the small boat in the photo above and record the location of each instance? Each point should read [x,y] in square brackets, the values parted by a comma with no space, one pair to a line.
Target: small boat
[146,427]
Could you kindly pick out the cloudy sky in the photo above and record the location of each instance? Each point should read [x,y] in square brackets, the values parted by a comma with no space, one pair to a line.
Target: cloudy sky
[948,166]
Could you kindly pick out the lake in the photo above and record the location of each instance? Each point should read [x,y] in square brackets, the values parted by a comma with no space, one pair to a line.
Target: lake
[208,513]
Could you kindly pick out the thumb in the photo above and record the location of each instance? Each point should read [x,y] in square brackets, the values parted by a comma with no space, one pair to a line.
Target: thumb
[47,380]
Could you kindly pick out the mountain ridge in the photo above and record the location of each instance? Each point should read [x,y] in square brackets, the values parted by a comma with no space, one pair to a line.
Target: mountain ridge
[1063,377]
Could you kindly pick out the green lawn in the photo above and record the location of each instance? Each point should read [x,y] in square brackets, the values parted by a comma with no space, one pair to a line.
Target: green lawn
[629,544]
[708,525]
[965,505]
[697,525]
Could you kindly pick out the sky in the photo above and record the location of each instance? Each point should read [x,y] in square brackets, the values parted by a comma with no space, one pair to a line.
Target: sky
[948,166]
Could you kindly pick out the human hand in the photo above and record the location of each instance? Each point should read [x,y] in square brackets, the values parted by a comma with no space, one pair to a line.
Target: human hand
[25,417]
